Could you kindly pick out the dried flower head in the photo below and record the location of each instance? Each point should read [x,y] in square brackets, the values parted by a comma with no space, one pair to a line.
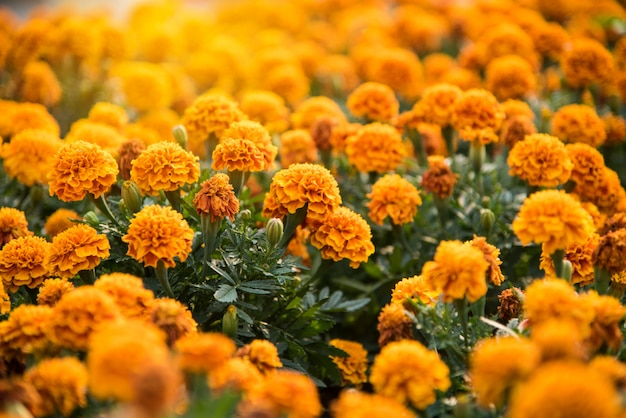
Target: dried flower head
[263,354]
[375,147]
[585,62]
[60,220]
[509,304]
[23,263]
[352,403]
[578,123]
[216,198]
[580,254]
[394,197]
[128,292]
[394,324]
[238,154]
[75,249]
[374,102]
[475,114]
[52,290]
[353,368]
[439,178]
[297,147]
[540,160]
[510,77]
[203,352]
[127,153]
[258,135]
[29,156]
[173,318]
[267,108]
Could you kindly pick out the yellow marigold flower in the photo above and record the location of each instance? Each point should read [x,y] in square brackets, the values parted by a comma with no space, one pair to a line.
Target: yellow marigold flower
[235,374]
[507,39]
[398,68]
[552,218]
[302,185]
[158,233]
[61,383]
[436,65]
[492,257]
[610,251]
[216,198]
[314,108]
[108,114]
[173,318]
[550,39]
[288,81]
[75,249]
[161,121]
[164,166]
[267,108]
[29,155]
[23,116]
[510,77]
[611,367]
[395,197]
[13,224]
[25,332]
[23,263]
[126,154]
[598,217]
[415,288]
[52,290]
[343,233]
[287,393]
[585,62]
[59,221]
[258,135]
[606,326]
[458,271]
[588,167]
[40,84]
[609,196]
[559,339]
[128,292]
[352,403]
[540,160]
[119,352]
[393,324]
[408,371]
[439,178]
[580,254]
[375,147]
[437,103]
[263,354]
[374,102]
[79,168]
[134,131]
[238,154]
[578,123]
[565,389]
[105,136]
[497,365]
[615,127]
[340,134]
[512,107]
[353,368]
[476,110]
[203,352]
[145,85]
[297,147]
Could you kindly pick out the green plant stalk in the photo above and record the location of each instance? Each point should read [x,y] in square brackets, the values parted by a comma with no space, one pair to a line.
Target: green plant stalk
[442,211]
[418,143]
[602,280]
[88,276]
[161,273]
[101,204]
[398,232]
[209,235]
[616,291]
[173,196]
[211,142]
[291,223]
[477,155]
[448,135]
[557,258]
[237,180]
[461,307]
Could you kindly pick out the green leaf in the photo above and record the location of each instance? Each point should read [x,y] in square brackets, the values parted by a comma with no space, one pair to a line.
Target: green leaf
[352,305]
[222,273]
[226,293]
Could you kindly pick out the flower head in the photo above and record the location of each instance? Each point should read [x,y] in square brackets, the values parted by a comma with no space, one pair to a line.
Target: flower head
[552,218]
[509,304]
[395,197]
[315,108]
[263,354]
[375,147]
[610,252]
[40,84]
[238,154]
[415,288]
[580,255]
[24,116]
[267,108]
[475,114]
[52,290]
[234,374]
[128,292]
[540,160]
[75,249]
[606,325]
[578,123]
[25,331]
[79,168]
[145,85]
[586,62]
[615,127]
[173,318]
[559,339]
[510,77]
[13,224]
[408,371]
[109,114]
[203,352]
[373,101]
[23,262]
[588,166]
[105,136]
[354,404]
[59,221]
[437,103]
[439,178]
[127,153]
[258,135]
[297,147]
[29,155]
[398,68]
[353,368]
[394,324]
[216,198]
[492,257]
[158,233]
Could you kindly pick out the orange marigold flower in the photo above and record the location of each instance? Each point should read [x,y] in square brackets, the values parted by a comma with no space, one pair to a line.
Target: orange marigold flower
[340,134]
[128,292]
[160,121]
[609,196]
[60,220]
[395,197]
[29,155]
[458,271]
[578,123]
[394,324]
[108,114]
[354,404]
[173,318]
[588,167]
[615,127]
[158,233]
[13,224]
[164,166]
[258,135]
[302,185]
[25,332]
[297,147]
[510,77]
[24,116]
[512,107]
[559,339]
[415,288]
[145,85]
[23,263]
[374,102]
[610,252]
[75,249]
[585,62]
[552,218]
[474,111]
[79,168]
[267,108]
[313,108]
[40,84]
[605,327]
[216,198]
[343,233]
[106,137]
[126,154]
[238,154]
[398,68]
[375,147]
[437,103]
[297,245]
[515,128]
[263,354]
[497,365]
[492,257]
[353,368]
[288,81]
[119,352]
[52,290]
[61,383]
[439,178]
[408,371]
[550,39]
[580,254]
[540,160]
[203,352]
[507,39]
[235,374]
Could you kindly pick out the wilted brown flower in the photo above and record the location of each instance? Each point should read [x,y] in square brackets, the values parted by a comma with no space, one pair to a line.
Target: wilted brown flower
[217,198]
[439,178]
[127,153]
[510,305]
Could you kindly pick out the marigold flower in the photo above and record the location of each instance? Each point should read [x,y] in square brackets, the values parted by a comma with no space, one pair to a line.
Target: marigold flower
[263,354]
[353,368]
[25,331]
[59,221]
[507,39]
[40,84]
[108,114]
[258,135]
[128,292]
[497,365]
[75,249]
[340,134]
[322,131]
[610,252]
[578,123]
[374,102]
[352,403]
[13,224]
[297,147]
[580,254]
[414,288]
[288,81]
[106,137]
[540,160]
[567,389]
[203,352]
[61,383]
[510,77]
[267,108]
[588,166]
[586,61]
[550,39]
[615,127]
[398,68]
[509,304]
[235,374]
[395,197]
[314,108]
[343,233]
[158,233]
[512,107]
[552,218]
[393,324]
[492,257]
[437,103]
[173,318]
[164,166]
[28,157]
[79,168]
[375,147]
[302,185]
[609,195]
[216,198]
[606,326]
[24,116]
[238,154]
[23,263]
[160,121]
[408,371]
[145,85]
[52,290]
[559,339]
[157,389]
[126,154]
[474,111]
[439,178]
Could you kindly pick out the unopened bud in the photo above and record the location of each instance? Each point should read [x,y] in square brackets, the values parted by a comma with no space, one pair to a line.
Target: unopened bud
[180,135]
[230,321]
[245,214]
[91,218]
[132,196]
[487,220]
[567,270]
[274,231]
[36,193]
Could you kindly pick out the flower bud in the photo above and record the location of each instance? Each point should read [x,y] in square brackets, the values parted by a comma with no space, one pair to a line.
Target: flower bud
[36,193]
[180,135]
[245,214]
[230,321]
[487,219]
[91,218]
[567,270]
[132,196]
[274,231]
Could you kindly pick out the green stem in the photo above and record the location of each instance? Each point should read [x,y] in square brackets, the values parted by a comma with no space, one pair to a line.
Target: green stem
[418,143]
[102,206]
[173,196]
[617,291]
[326,158]
[211,142]
[237,180]
[557,258]
[161,273]
[602,280]
[88,276]
[461,308]
[291,223]
[442,212]
[209,235]
[448,135]
[477,157]
[398,232]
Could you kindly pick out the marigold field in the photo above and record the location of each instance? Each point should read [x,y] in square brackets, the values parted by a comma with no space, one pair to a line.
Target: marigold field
[314,208]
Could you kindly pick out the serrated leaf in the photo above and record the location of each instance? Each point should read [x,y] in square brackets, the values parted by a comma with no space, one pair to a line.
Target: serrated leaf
[334,299]
[254,290]
[226,293]
[353,305]
[222,273]
[262,284]
[244,316]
